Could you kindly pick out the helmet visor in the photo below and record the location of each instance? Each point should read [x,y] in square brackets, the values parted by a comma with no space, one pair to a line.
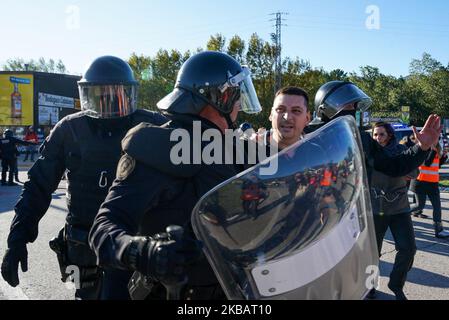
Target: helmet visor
[248,97]
[108,101]
[345,95]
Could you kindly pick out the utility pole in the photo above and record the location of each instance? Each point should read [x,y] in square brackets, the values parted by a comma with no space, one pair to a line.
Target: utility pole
[277,39]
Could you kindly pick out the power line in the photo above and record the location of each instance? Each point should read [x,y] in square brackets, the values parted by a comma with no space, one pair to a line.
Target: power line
[277,39]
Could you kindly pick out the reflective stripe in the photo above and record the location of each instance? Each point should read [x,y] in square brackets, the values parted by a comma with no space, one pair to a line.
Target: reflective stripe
[429,172]
[429,177]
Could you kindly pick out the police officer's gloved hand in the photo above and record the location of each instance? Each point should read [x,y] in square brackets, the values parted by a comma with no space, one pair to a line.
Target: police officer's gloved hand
[10,266]
[162,258]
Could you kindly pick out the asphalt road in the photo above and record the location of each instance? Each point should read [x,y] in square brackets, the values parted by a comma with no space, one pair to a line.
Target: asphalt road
[428,280]
[42,281]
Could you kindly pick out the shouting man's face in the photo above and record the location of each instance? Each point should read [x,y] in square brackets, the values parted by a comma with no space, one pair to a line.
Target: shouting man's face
[289,117]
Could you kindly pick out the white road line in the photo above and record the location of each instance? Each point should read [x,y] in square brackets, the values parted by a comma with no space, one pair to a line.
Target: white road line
[12,293]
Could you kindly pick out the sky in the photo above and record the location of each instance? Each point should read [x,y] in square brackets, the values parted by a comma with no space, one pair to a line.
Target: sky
[331,34]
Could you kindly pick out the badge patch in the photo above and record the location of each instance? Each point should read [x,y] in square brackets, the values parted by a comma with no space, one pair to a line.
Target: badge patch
[125,167]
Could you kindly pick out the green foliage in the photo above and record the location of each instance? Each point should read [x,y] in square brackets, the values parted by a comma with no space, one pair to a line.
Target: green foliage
[216,43]
[425,90]
[41,65]
[236,49]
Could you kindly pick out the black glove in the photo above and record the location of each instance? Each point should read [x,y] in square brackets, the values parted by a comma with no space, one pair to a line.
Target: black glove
[162,258]
[10,265]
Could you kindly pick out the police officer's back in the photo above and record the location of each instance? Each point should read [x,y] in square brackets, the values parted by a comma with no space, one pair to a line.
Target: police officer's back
[152,192]
[85,146]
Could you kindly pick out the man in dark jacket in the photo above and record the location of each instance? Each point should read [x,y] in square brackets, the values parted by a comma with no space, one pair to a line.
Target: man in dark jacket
[86,147]
[339,98]
[154,191]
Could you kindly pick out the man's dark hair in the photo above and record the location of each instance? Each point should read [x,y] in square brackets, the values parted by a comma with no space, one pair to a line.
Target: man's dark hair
[388,128]
[294,91]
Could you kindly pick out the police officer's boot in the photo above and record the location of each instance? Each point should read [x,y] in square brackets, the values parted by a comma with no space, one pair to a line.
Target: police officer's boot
[398,292]
[439,231]
[3,178]
[11,180]
[16,177]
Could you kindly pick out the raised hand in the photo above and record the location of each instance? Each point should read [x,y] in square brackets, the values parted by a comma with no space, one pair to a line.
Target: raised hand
[430,133]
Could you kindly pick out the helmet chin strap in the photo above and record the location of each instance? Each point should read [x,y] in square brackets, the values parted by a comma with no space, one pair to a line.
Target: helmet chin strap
[231,125]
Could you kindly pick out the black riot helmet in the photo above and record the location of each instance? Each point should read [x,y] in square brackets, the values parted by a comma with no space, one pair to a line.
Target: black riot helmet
[215,79]
[108,89]
[333,96]
[8,133]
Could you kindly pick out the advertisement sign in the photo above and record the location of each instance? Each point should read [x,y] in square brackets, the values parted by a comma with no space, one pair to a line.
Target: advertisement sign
[51,100]
[16,99]
[48,116]
[405,116]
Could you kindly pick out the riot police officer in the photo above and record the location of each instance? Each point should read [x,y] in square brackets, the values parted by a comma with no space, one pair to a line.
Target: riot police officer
[339,98]
[152,192]
[8,151]
[86,147]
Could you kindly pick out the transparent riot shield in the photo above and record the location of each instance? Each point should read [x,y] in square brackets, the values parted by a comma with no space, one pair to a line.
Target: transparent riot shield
[304,232]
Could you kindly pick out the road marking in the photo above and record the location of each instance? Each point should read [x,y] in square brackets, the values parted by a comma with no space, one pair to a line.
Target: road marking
[12,293]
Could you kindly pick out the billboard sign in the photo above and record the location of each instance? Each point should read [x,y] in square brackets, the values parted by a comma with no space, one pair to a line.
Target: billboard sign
[48,116]
[51,100]
[16,99]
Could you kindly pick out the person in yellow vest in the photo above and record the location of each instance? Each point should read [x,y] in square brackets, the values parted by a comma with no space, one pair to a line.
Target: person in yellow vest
[427,185]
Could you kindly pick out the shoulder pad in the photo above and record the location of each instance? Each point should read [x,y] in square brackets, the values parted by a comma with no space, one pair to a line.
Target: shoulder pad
[314,125]
[155,118]
[151,145]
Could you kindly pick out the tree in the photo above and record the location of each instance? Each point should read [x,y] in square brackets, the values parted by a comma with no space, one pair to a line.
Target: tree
[157,75]
[424,66]
[216,43]
[141,66]
[236,49]
[41,65]
[425,90]
[260,58]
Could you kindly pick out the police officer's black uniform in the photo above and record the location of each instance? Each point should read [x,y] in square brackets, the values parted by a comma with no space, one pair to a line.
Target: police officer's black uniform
[87,147]
[8,146]
[151,192]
